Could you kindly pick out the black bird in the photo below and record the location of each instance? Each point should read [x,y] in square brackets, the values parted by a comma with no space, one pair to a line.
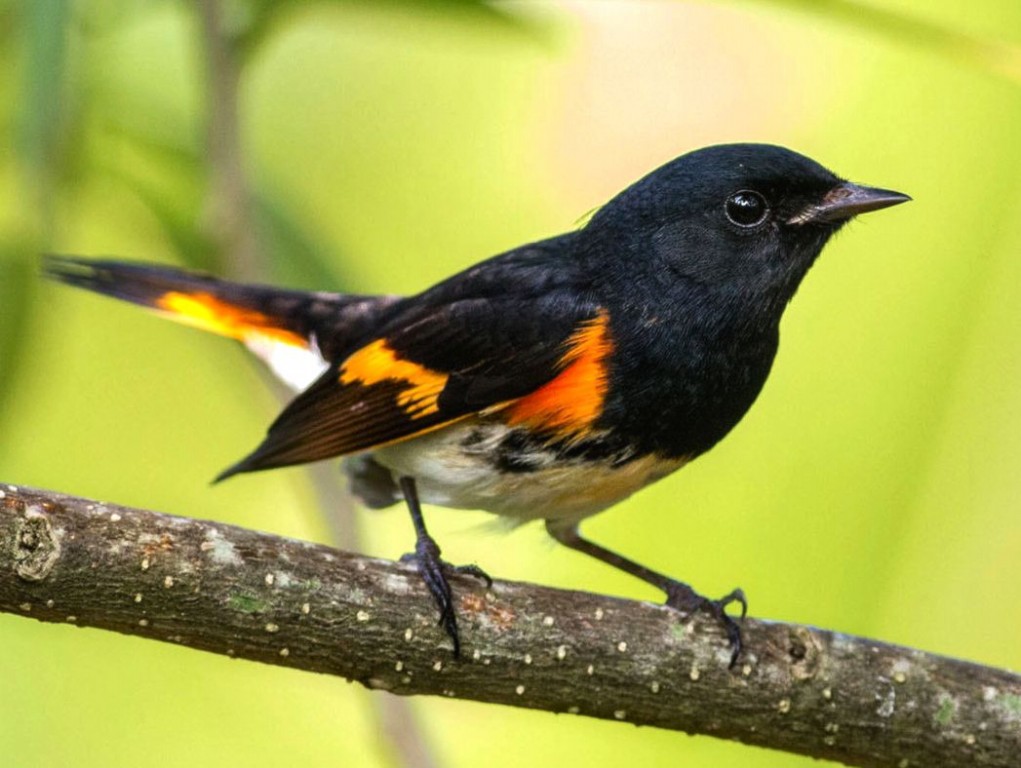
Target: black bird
[553,380]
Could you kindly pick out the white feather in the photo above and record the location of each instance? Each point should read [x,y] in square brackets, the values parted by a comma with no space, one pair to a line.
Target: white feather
[297,367]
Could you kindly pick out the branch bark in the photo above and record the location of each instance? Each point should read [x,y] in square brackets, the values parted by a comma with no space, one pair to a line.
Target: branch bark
[252,595]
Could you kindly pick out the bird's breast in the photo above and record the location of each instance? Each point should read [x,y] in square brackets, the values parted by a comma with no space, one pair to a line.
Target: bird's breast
[678,390]
[486,464]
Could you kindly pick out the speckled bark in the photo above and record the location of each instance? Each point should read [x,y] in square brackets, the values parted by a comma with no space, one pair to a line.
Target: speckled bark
[238,592]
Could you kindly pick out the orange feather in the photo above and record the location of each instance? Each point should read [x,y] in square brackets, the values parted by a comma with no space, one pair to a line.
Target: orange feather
[572,401]
[208,313]
[377,362]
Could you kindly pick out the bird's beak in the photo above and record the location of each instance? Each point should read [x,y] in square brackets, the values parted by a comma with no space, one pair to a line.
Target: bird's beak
[846,200]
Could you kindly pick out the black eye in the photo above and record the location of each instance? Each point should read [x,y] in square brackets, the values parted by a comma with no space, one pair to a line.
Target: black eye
[746,208]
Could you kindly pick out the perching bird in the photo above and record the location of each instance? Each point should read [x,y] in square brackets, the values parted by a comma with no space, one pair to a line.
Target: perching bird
[549,382]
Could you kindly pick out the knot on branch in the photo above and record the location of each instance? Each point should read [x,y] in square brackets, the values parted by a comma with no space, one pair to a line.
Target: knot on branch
[36,547]
[804,652]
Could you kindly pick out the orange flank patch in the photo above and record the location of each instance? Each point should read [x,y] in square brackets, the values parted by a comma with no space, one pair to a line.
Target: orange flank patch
[377,362]
[205,311]
[572,401]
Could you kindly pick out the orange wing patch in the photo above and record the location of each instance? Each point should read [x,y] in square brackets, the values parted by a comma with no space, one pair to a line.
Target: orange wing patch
[377,362]
[208,313]
[572,401]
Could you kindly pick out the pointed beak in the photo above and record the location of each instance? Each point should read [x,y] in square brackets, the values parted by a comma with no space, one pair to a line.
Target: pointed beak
[846,200]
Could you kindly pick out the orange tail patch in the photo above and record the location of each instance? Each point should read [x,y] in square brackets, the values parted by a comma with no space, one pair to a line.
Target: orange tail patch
[208,313]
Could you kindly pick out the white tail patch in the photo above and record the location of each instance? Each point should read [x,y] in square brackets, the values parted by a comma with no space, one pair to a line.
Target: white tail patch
[295,366]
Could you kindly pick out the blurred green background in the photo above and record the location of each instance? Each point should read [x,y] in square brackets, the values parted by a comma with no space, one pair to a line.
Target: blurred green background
[383,145]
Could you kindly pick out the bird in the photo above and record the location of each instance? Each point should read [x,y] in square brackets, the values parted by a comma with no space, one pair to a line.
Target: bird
[551,381]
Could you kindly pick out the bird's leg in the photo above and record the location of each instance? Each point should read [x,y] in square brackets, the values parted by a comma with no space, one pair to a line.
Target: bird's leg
[431,567]
[678,594]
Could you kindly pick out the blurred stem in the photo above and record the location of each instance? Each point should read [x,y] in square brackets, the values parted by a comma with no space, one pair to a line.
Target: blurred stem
[229,211]
[228,201]
[38,146]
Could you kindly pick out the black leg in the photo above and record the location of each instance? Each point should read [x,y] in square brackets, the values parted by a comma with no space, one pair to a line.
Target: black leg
[678,594]
[427,557]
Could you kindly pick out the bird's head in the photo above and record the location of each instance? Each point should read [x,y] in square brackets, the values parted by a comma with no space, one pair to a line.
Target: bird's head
[748,219]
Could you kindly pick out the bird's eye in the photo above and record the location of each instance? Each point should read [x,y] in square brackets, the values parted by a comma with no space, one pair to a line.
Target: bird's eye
[746,208]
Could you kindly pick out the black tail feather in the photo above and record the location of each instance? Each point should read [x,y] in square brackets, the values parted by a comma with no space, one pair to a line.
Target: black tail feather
[335,321]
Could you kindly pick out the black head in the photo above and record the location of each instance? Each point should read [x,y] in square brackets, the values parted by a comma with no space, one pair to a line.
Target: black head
[743,219]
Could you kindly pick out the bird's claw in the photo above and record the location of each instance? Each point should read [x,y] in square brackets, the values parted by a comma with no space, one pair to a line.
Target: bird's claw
[432,569]
[471,570]
[686,600]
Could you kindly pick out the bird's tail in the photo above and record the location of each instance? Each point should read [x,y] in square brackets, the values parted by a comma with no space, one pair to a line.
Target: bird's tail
[294,332]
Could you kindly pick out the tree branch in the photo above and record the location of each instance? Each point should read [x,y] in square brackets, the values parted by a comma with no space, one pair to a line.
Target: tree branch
[252,595]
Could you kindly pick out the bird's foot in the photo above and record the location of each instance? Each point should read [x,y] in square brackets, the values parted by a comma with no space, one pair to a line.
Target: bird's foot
[686,600]
[433,570]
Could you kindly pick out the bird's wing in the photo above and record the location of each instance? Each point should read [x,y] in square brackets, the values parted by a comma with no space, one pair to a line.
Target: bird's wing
[540,360]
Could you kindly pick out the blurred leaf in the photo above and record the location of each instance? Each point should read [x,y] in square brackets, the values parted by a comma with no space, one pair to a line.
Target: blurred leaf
[170,161]
[8,17]
[294,257]
[43,109]
[38,143]
[262,15]
[17,288]
[177,155]
[998,56]
[192,247]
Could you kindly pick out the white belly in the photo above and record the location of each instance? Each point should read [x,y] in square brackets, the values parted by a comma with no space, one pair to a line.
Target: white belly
[452,471]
